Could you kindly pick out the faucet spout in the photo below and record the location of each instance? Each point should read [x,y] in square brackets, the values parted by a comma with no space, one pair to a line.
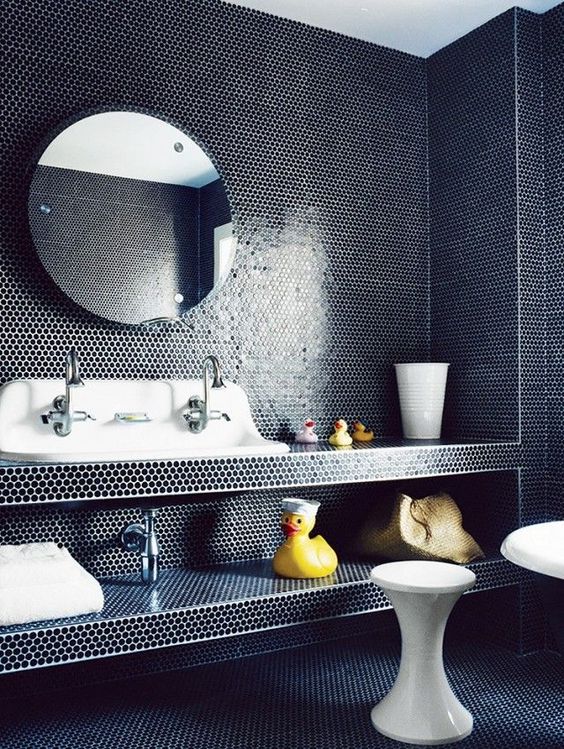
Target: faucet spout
[217,383]
[217,378]
[63,416]
[200,412]
[73,378]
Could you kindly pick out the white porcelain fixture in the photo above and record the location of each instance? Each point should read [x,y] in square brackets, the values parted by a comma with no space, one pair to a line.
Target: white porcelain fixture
[539,548]
[421,388]
[150,425]
[421,708]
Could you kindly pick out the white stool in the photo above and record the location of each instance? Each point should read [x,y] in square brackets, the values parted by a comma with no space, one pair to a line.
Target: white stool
[421,707]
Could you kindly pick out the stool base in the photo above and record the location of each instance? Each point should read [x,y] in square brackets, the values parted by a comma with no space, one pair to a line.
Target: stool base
[417,738]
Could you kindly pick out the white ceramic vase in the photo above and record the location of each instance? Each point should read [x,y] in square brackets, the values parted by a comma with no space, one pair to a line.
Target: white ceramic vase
[421,387]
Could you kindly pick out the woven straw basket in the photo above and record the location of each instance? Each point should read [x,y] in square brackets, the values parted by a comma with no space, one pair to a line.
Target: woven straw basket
[428,528]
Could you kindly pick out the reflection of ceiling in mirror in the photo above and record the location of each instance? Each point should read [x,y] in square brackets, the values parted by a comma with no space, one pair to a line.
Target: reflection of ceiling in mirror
[129,144]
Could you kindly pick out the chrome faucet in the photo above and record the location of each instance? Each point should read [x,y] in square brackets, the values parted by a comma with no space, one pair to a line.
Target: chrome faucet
[143,540]
[63,417]
[200,412]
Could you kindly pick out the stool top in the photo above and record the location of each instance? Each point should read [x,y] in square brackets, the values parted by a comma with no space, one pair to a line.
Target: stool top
[423,577]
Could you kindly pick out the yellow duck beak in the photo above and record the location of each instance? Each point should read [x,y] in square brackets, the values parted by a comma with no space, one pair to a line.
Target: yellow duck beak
[293,525]
[289,529]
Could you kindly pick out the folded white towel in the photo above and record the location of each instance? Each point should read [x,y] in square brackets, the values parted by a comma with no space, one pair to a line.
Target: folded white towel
[33,603]
[36,564]
[42,581]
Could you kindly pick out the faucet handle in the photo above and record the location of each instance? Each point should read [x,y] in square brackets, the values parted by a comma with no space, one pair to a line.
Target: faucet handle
[219,415]
[194,419]
[82,416]
[54,417]
[195,403]
[60,403]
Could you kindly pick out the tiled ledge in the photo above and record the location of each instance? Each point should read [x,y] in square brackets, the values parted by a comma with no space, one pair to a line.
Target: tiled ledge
[195,605]
[305,465]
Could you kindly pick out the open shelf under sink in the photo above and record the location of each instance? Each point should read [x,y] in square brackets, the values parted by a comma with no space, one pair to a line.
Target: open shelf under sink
[203,604]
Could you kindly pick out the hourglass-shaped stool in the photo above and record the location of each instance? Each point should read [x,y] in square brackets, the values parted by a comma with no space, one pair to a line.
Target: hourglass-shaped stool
[421,707]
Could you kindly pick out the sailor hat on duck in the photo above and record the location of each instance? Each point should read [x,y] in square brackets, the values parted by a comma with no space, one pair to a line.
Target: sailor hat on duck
[298,506]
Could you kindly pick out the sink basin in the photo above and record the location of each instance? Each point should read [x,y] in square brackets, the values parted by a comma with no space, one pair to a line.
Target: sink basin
[24,437]
[539,548]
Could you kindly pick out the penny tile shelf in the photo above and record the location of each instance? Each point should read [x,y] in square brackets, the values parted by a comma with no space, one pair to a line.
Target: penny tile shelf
[305,465]
[188,606]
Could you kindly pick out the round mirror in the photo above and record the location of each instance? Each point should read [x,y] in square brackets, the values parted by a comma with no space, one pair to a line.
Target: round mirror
[130,218]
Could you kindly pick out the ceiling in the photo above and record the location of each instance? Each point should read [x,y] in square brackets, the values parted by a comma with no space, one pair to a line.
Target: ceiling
[419,27]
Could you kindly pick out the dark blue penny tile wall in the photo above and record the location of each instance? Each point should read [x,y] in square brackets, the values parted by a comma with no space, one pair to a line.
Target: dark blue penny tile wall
[216,529]
[321,140]
[532,261]
[473,225]
[553,64]
[532,298]
[486,222]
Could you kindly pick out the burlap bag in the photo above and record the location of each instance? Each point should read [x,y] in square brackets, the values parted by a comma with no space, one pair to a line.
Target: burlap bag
[428,528]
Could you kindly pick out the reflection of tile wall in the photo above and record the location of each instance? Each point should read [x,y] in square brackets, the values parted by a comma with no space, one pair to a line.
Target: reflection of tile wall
[214,211]
[138,239]
[553,62]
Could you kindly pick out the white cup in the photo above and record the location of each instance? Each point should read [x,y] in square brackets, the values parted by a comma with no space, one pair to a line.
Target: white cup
[421,388]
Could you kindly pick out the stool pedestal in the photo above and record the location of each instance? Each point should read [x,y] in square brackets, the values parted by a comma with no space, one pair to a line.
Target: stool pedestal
[421,708]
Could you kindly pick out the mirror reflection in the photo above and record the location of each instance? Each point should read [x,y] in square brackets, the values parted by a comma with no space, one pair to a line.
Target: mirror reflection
[130,218]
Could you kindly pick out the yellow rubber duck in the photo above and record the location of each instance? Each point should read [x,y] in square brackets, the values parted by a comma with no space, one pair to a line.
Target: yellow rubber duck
[301,556]
[361,433]
[340,437]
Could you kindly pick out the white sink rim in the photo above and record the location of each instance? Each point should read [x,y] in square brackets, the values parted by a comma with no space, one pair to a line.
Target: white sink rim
[271,447]
[538,547]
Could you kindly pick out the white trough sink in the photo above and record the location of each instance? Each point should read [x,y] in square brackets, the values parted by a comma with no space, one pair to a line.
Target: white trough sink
[24,436]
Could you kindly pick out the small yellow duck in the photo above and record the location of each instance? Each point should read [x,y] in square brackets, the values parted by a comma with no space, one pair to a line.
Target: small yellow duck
[301,556]
[340,437]
[361,433]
